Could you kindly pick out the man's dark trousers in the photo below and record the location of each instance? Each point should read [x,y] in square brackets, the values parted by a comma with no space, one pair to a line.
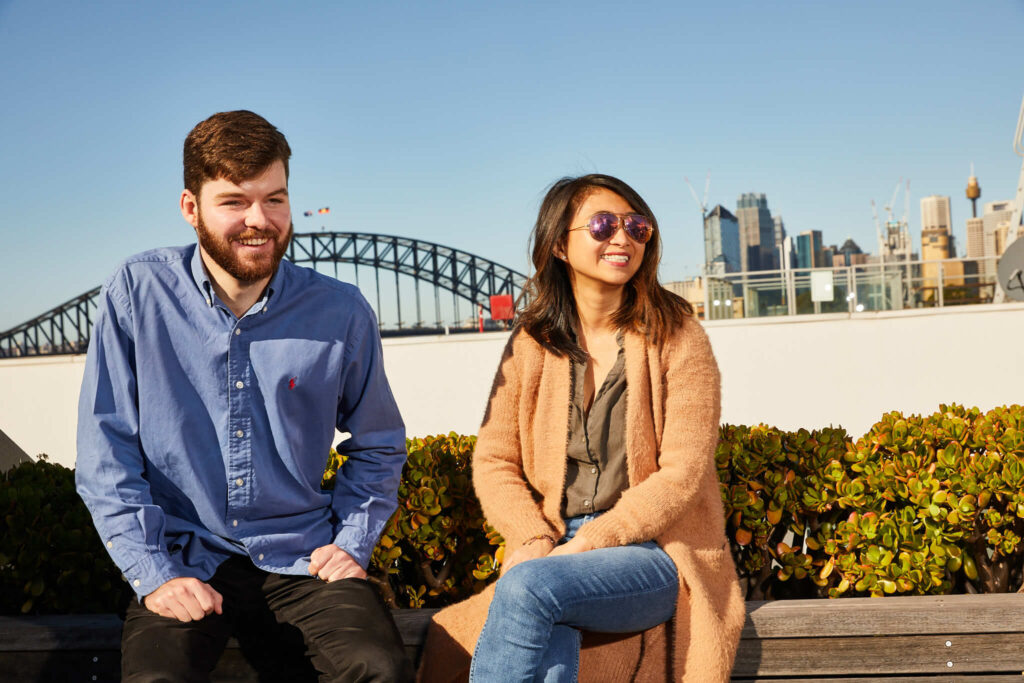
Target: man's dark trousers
[291,628]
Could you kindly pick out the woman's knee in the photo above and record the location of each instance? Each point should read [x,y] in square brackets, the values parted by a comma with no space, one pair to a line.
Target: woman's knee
[525,586]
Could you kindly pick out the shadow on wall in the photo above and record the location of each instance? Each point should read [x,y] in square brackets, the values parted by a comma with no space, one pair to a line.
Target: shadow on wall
[10,453]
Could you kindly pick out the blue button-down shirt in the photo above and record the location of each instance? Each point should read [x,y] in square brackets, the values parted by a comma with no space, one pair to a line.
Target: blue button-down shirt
[202,435]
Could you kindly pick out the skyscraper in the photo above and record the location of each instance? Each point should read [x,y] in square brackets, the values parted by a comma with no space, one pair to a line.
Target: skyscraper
[975,237]
[780,230]
[808,249]
[757,232]
[851,254]
[937,242]
[935,213]
[788,253]
[995,226]
[721,242]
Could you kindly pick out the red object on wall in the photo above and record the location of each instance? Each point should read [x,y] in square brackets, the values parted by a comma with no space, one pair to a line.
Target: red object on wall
[502,307]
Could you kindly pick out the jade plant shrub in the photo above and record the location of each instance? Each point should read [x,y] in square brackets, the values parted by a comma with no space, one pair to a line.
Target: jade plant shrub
[51,558]
[980,460]
[930,505]
[764,474]
[437,548]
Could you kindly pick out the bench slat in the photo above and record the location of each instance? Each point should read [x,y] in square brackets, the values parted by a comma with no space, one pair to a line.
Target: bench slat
[906,615]
[970,678]
[864,655]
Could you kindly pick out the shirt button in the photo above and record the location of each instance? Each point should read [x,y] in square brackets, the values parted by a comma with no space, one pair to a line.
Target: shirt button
[239,385]
[208,302]
[110,544]
[136,583]
[593,470]
[238,331]
[586,503]
[234,522]
[261,556]
[239,433]
[239,482]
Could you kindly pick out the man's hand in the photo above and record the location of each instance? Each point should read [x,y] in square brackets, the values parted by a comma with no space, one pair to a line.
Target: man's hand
[540,547]
[576,544]
[330,563]
[184,599]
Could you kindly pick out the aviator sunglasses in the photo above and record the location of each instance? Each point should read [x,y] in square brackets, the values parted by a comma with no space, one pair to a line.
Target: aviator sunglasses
[604,224]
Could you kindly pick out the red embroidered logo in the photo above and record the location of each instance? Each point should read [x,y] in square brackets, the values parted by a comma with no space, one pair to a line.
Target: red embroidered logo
[291,383]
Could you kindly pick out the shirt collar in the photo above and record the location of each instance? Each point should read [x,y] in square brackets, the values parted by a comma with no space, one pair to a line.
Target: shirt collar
[202,279]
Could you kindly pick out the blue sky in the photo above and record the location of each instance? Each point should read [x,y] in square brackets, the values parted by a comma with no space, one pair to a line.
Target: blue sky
[446,121]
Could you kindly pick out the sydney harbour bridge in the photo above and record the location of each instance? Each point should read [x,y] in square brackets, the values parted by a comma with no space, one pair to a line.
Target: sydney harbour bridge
[414,287]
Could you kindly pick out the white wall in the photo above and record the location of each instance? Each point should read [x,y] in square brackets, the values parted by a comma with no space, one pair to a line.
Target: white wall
[788,372]
[849,371]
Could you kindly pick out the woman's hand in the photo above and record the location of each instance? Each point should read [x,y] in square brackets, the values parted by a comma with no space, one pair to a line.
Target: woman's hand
[576,544]
[538,547]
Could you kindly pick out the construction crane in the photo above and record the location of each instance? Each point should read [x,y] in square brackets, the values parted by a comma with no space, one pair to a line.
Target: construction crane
[703,206]
[892,202]
[878,231]
[894,240]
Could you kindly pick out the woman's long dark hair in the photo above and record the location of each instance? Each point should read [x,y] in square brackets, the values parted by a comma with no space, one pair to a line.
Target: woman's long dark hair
[550,309]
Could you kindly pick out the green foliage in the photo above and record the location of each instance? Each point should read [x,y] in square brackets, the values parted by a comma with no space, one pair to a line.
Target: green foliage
[918,505]
[437,548]
[771,492]
[51,559]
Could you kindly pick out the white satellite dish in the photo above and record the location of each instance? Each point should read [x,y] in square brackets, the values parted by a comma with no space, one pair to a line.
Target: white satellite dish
[1011,270]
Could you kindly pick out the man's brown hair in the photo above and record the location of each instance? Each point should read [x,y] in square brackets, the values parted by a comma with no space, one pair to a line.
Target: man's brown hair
[234,145]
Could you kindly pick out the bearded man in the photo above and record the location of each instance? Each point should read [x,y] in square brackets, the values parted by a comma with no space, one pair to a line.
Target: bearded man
[216,377]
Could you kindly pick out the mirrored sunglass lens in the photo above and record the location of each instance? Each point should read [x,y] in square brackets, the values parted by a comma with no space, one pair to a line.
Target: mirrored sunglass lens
[603,225]
[638,227]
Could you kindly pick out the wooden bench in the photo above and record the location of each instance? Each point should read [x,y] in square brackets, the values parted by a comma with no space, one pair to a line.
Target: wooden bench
[87,647]
[916,638]
[978,638]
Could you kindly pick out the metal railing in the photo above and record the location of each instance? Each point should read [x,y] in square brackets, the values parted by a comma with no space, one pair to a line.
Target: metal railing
[889,286]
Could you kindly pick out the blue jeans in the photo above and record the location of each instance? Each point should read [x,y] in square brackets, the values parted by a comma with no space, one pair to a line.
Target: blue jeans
[533,627]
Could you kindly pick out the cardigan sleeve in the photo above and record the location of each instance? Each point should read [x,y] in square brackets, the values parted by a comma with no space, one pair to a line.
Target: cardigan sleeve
[508,501]
[686,458]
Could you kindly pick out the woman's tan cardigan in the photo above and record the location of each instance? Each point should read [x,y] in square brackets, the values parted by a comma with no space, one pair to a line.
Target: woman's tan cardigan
[519,464]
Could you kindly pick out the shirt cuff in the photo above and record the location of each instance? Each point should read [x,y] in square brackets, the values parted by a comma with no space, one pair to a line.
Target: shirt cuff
[353,541]
[151,572]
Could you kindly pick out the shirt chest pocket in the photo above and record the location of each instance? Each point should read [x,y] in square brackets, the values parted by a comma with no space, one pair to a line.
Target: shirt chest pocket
[299,379]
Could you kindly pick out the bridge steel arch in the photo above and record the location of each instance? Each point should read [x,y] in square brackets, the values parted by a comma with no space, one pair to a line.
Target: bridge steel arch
[66,328]
[465,275]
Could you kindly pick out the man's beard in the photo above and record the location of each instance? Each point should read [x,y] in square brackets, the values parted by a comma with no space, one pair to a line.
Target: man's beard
[247,270]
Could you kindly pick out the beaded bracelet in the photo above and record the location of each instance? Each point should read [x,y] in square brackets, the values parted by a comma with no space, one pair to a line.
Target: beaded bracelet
[544,537]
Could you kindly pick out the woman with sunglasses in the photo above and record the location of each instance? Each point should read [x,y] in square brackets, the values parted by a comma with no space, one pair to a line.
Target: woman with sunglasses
[595,462]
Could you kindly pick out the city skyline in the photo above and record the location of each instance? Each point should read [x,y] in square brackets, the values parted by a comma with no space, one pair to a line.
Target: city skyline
[447,123]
